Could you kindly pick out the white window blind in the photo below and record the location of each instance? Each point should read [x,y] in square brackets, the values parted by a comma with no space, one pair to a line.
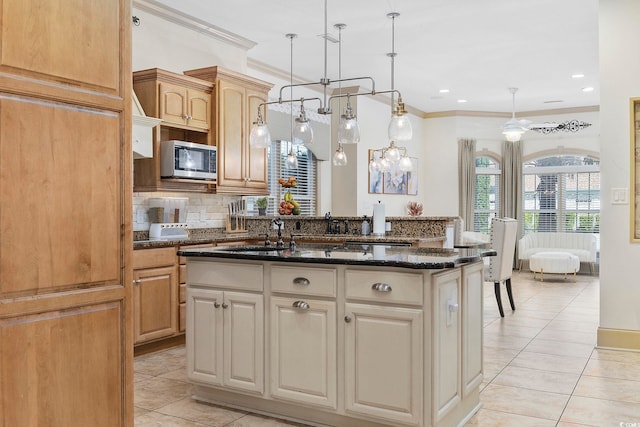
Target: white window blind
[562,193]
[487,193]
[305,191]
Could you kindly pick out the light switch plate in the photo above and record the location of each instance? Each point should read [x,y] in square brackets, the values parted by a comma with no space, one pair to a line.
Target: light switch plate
[619,196]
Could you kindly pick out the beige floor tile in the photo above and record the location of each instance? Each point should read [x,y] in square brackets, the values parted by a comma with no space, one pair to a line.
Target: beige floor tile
[550,362]
[513,318]
[155,419]
[503,329]
[538,345]
[609,389]
[577,317]
[535,311]
[499,355]
[158,392]
[139,376]
[252,420]
[600,412]
[563,424]
[491,369]
[508,342]
[589,338]
[137,411]
[536,379]
[613,369]
[617,355]
[203,413]
[177,374]
[489,418]
[566,325]
[533,403]
[159,363]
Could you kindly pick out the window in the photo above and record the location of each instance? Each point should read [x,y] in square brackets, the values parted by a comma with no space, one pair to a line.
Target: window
[487,196]
[562,193]
[305,191]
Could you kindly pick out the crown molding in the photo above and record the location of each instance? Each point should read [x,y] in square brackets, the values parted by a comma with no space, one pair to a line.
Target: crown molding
[520,114]
[193,23]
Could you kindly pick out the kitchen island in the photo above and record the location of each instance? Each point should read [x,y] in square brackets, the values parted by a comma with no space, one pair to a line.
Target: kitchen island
[350,335]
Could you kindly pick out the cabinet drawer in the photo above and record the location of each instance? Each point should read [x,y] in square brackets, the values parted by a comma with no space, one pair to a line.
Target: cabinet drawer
[304,281]
[225,274]
[150,258]
[182,293]
[384,286]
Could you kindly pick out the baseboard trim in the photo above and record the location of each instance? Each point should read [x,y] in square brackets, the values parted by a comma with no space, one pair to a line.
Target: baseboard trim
[619,339]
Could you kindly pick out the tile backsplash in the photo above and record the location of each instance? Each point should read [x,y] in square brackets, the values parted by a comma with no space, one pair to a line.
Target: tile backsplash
[203,211]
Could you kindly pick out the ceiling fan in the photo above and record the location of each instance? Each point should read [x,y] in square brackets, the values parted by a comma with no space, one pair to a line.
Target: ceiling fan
[514,128]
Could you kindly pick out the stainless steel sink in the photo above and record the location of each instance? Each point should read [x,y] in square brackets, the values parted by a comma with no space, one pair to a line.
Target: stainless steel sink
[251,248]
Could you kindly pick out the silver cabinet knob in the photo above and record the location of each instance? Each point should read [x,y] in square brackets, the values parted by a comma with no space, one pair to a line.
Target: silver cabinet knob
[381,287]
[453,307]
[137,282]
[216,304]
[347,319]
[303,281]
[225,305]
[301,305]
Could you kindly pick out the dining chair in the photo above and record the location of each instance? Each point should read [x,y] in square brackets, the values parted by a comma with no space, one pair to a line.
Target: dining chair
[500,267]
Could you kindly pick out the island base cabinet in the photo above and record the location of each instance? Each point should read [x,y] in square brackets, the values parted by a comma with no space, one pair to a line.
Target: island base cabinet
[472,327]
[225,339]
[383,362]
[303,351]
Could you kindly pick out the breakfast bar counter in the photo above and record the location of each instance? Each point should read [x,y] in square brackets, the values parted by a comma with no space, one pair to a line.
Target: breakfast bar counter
[340,335]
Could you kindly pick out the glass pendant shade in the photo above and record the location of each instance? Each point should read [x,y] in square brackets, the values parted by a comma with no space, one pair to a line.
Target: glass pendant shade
[260,136]
[340,157]
[302,130]
[292,161]
[392,154]
[348,129]
[405,164]
[400,128]
[384,165]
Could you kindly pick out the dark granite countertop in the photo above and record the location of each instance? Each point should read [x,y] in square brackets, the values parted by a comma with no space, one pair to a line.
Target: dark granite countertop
[354,254]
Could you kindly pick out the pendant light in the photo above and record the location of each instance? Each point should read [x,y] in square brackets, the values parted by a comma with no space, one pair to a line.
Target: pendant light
[292,160]
[340,157]
[348,128]
[400,126]
[260,136]
[302,130]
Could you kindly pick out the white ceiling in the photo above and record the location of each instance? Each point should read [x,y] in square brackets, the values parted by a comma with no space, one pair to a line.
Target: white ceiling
[475,48]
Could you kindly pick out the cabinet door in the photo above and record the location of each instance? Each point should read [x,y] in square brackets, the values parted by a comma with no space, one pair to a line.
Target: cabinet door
[199,109]
[173,104]
[383,362]
[231,124]
[446,345]
[204,335]
[303,351]
[471,308]
[155,303]
[256,159]
[243,341]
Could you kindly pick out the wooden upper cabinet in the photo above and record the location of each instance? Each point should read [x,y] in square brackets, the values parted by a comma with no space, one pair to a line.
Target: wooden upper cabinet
[241,168]
[185,106]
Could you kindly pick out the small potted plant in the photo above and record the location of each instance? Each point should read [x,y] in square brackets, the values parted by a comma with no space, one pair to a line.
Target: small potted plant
[262,204]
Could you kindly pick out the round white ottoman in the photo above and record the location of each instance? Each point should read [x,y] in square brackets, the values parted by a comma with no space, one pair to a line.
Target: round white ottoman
[554,262]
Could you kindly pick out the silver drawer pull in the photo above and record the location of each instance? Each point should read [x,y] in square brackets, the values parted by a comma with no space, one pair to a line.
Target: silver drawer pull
[381,287]
[225,305]
[301,305]
[216,304]
[301,281]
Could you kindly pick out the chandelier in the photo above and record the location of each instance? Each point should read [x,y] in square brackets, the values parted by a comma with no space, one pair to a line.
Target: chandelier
[393,157]
[399,128]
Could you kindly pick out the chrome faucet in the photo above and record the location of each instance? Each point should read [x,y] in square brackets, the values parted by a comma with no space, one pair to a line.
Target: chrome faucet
[280,242]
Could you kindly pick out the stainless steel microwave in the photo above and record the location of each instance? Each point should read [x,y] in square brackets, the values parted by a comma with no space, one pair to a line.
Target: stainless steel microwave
[182,159]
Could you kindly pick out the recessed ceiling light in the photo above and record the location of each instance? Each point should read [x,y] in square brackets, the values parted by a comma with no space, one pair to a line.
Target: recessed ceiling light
[587,89]
[577,76]
[461,101]
[444,90]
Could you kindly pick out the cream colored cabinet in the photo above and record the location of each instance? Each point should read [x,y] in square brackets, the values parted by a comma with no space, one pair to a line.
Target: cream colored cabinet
[383,362]
[383,345]
[242,169]
[303,350]
[447,355]
[225,339]
[155,294]
[182,285]
[472,327]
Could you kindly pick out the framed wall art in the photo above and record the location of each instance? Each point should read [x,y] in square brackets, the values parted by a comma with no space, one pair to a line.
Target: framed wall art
[393,181]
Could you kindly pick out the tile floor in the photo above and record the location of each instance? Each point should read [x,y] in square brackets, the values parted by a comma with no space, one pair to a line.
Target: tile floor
[540,368]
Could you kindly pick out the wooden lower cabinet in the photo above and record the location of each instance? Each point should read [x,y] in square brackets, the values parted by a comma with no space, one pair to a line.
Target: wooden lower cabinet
[155,294]
[383,362]
[303,351]
[225,339]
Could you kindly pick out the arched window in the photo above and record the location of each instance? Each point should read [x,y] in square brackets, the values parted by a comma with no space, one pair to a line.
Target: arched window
[487,197]
[561,193]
